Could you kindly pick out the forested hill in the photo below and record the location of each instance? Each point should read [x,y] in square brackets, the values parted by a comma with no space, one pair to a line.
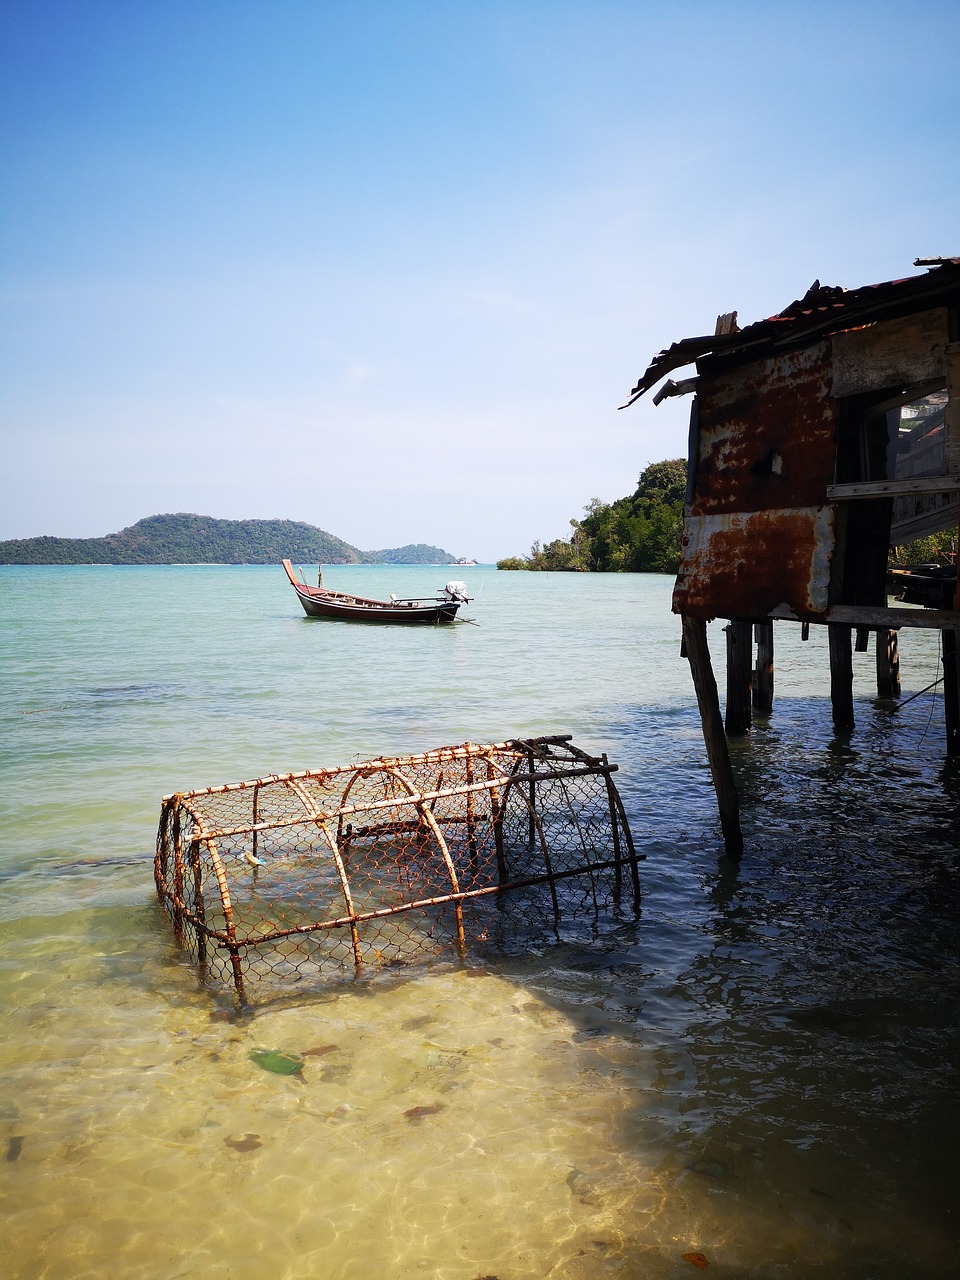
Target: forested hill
[412,553]
[637,534]
[191,539]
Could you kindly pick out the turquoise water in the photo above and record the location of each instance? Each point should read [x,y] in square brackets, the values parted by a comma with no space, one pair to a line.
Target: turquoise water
[761,1069]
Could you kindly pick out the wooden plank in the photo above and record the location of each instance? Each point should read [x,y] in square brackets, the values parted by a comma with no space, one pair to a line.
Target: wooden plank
[671,388]
[727,323]
[893,488]
[865,615]
[873,616]
[718,754]
[890,353]
[936,520]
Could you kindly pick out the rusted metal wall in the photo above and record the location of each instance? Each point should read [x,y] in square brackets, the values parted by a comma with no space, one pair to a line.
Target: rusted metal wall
[758,534]
[746,565]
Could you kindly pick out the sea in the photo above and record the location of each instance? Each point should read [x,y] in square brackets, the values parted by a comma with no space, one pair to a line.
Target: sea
[753,1075]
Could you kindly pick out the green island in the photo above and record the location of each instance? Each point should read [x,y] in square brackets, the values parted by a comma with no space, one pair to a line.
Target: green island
[192,539]
[637,534]
[641,533]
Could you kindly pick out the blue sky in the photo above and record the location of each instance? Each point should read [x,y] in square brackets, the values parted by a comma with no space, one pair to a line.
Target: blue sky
[390,268]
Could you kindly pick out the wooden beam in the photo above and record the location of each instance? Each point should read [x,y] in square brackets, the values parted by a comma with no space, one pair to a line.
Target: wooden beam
[718,754]
[841,677]
[671,388]
[951,417]
[890,353]
[942,516]
[951,420]
[893,488]
[888,664]
[863,615]
[856,615]
[916,391]
[763,672]
[951,691]
[739,715]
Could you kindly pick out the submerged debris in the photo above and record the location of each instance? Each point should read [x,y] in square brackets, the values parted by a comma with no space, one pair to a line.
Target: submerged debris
[248,1142]
[417,1113]
[279,1061]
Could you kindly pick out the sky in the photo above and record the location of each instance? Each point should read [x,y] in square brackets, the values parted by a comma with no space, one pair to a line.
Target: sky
[391,268]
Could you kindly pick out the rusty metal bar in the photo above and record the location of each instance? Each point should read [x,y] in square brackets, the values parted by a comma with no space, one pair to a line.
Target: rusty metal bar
[220,833]
[439,900]
[321,822]
[283,856]
[444,851]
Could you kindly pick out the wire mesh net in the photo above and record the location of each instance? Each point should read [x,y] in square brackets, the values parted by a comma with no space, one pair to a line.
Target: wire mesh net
[298,876]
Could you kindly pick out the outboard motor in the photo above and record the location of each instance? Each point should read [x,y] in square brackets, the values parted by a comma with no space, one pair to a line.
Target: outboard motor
[456,591]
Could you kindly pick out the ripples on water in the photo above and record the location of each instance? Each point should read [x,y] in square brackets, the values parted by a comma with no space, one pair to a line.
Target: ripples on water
[762,1069]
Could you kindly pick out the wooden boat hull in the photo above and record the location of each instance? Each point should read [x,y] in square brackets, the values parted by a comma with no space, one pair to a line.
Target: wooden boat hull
[318,602]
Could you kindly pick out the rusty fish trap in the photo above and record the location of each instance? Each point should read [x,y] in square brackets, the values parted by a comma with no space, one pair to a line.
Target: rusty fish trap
[296,876]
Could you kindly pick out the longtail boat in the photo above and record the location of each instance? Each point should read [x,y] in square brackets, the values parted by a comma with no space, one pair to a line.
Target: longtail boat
[319,602]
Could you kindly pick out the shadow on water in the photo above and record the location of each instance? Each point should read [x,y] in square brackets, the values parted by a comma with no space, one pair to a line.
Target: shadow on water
[782,1029]
[797,1008]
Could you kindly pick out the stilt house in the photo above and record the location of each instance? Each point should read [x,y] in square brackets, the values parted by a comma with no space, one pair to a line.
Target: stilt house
[819,438]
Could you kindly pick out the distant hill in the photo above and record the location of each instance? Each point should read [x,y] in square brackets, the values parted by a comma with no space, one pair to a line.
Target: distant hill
[191,539]
[412,553]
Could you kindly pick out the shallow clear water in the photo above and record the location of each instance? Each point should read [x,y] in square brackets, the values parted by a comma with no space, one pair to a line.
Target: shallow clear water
[762,1068]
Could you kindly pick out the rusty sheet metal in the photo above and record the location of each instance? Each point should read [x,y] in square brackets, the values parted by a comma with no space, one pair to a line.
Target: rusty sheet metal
[767,434]
[821,311]
[748,564]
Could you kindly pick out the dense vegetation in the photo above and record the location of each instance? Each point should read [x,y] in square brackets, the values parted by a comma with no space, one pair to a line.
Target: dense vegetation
[637,534]
[641,533]
[191,539]
[938,548]
[412,553]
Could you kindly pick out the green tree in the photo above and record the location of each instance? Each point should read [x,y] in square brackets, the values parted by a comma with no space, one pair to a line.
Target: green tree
[639,534]
[937,548]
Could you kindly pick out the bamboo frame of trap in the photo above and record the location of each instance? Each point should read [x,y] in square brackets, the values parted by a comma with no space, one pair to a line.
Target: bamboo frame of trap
[291,874]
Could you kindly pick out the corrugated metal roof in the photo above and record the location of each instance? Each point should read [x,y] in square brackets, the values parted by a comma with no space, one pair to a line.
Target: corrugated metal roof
[822,310]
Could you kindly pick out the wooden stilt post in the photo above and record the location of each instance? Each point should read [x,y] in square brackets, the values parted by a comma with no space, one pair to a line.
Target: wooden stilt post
[888,664]
[951,690]
[739,715]
[763,672]
[841,676]
[708,700]
[951,461]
